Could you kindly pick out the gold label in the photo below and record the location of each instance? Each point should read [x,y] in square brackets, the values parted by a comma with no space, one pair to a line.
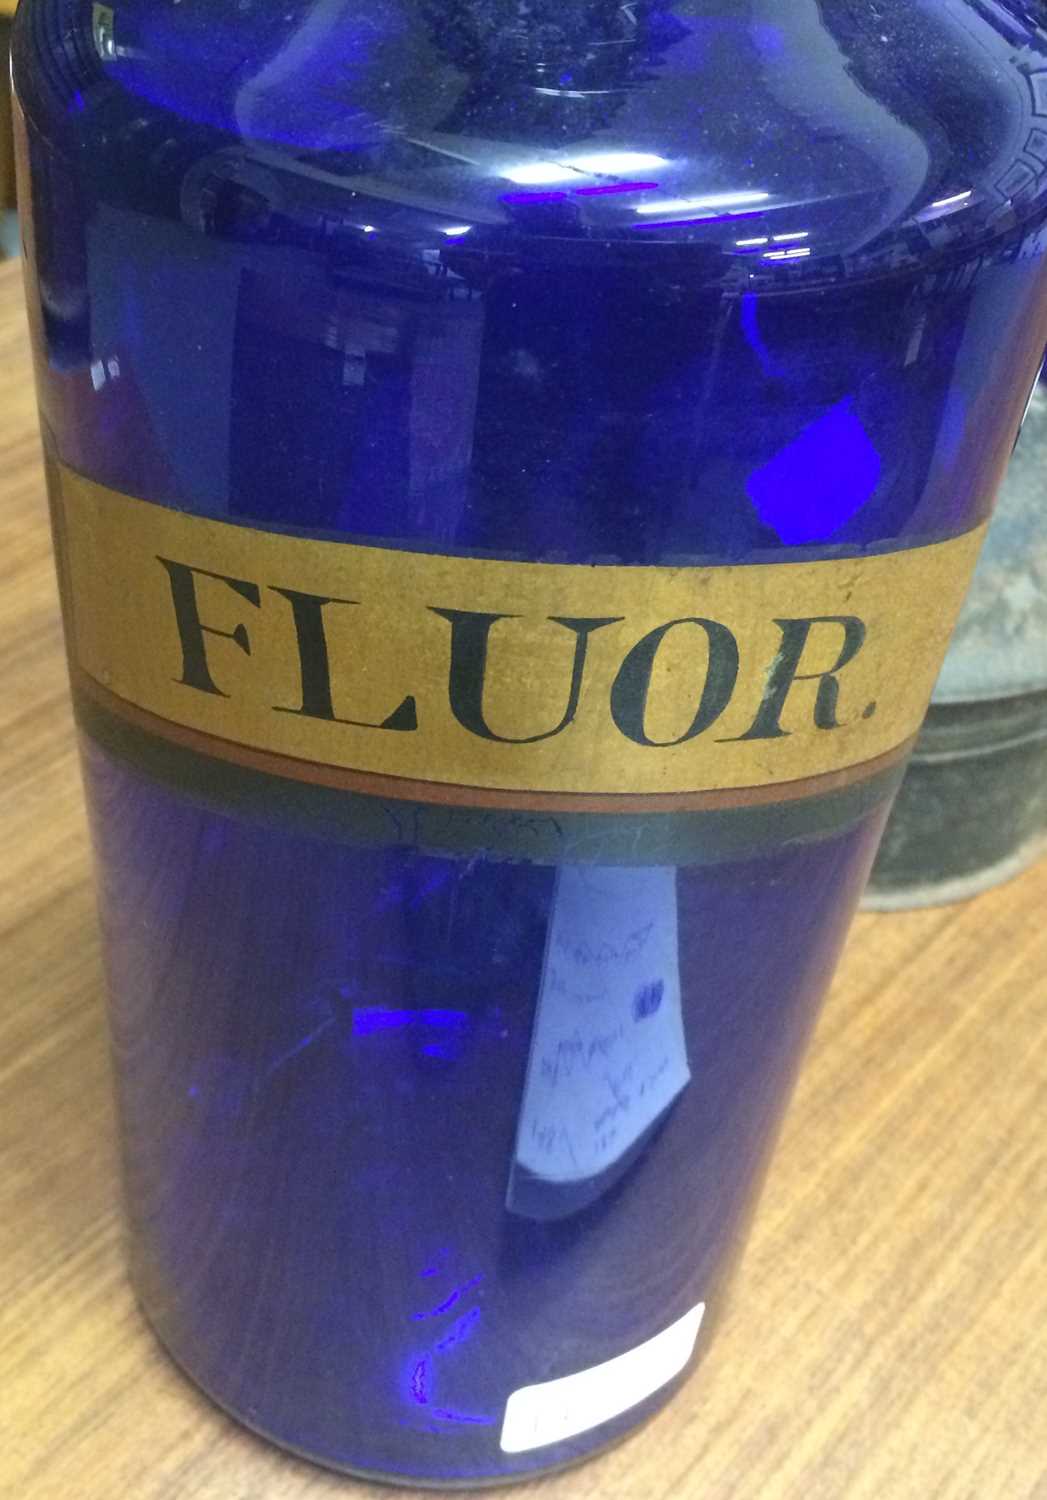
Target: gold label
[464,673]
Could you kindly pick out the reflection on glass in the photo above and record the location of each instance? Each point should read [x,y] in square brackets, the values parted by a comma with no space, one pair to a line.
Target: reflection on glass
[710,200]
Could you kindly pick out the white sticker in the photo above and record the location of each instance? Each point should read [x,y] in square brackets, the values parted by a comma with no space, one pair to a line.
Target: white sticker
[608,1056]
[557,1409]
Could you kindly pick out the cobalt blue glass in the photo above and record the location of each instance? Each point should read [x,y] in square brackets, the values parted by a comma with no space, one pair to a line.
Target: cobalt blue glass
[583,282]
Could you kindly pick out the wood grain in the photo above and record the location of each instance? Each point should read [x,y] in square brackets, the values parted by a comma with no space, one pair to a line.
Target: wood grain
[887,1336]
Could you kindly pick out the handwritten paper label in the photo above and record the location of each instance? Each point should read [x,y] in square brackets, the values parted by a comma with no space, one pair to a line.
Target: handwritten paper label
[538,1415]
[608,1053]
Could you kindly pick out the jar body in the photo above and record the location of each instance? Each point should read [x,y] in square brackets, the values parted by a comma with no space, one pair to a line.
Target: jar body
[444,1080]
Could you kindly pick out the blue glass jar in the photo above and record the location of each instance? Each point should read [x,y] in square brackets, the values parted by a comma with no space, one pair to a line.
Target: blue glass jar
[449,1059]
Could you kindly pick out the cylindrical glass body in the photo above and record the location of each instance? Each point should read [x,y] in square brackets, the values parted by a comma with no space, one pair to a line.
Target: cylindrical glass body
[659,363]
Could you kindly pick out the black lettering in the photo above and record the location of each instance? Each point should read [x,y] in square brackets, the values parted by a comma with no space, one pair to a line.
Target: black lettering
[632,685]
[315,665]
[191,629]
[786,671]
[470,636]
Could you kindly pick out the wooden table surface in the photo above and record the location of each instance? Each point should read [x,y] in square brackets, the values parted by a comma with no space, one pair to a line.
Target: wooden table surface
[888,1335]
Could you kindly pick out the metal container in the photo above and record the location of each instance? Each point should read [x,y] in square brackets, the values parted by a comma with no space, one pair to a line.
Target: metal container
[972,811]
